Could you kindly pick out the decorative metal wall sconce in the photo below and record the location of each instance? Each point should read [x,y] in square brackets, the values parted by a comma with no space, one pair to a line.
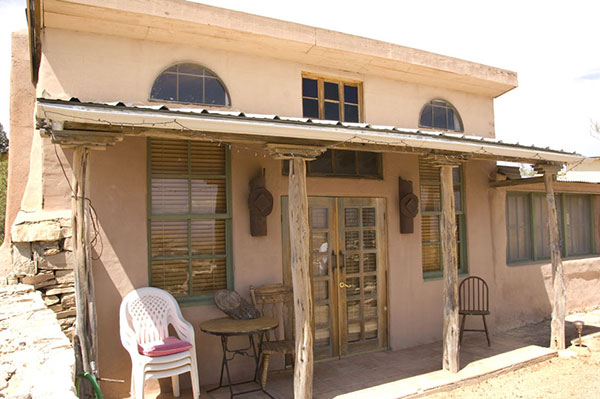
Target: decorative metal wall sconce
[260,203]
[409,205]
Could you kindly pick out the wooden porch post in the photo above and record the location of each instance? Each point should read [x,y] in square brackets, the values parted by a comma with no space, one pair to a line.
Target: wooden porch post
[450,267]
[303,307]
[559,302]
[84,283]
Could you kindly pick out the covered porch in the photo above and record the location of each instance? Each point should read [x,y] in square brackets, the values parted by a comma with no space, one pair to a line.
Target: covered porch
[416,370]
[97,126]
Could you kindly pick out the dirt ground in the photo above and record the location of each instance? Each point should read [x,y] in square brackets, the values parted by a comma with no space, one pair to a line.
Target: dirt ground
[574,374]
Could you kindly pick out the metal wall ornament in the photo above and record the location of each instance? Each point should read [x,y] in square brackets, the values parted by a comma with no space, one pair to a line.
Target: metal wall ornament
[409,205]
[260,203]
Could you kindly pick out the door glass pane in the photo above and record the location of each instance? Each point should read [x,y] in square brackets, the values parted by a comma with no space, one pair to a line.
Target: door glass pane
[371,329]
[370,307]
[369,239]
[321,290]
[351,217]
[322,336]
[320,241]
[322,314]
[353,310]
[370,285]
[352,263]
[368,217]
[354,286]
[354,331]
[320,264]
[319,218]
[352,240]
[370,262]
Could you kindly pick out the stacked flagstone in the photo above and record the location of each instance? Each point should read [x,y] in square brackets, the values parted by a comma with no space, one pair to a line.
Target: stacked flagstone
[42,257]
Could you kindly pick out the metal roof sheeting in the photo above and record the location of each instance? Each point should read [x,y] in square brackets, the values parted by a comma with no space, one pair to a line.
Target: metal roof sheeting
[236,122]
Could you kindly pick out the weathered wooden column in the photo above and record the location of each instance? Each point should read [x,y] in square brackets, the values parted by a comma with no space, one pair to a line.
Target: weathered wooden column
[559,301]
[300,258]
[303,306]
[450,268]
[85,323]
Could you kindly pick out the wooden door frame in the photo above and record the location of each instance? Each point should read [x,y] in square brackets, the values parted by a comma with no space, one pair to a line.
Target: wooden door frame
[382,242]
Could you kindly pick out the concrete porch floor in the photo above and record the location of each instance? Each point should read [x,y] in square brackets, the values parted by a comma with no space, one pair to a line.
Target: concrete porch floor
[417,370]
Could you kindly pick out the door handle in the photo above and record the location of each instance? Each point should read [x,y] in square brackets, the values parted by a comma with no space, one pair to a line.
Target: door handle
[342,262]
[344,285]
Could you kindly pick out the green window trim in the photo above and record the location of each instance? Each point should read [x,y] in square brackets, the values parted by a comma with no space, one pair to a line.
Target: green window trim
[564,233]
[206,298]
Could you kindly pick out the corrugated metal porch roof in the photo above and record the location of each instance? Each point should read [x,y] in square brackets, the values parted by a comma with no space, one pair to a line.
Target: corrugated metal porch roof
[247,124]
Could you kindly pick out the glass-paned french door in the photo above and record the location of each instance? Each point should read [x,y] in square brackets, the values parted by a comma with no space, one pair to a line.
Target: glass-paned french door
[348,270]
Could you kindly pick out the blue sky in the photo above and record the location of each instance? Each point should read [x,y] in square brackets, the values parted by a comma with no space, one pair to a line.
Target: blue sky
[553,46]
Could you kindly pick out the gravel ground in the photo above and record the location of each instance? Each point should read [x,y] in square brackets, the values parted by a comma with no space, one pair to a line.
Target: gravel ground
[574,374]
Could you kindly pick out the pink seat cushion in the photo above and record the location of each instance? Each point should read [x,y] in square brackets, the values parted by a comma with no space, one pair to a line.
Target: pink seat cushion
[167,346]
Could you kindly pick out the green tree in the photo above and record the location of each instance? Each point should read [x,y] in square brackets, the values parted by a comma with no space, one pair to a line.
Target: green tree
[3,177]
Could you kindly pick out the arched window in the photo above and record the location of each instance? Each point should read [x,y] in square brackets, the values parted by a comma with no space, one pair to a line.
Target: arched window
[440,114]
[190,83]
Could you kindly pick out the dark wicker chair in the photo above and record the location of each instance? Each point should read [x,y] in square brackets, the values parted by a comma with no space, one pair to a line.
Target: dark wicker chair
[473,300]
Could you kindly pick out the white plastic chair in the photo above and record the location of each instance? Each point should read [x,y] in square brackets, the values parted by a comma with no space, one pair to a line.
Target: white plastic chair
[144,318]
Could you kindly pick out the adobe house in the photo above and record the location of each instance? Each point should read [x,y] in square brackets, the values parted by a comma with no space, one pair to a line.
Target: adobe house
[152,119]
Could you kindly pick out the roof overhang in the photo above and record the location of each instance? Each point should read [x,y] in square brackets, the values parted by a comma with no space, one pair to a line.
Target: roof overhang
[124,120]
[176,21]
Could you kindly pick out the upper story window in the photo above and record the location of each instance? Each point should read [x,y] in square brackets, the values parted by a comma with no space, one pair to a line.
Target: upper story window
[440,114]
[337,100]
[330,99]
[190,83]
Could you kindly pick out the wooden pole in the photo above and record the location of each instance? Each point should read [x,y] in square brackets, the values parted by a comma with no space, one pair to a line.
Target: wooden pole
[86,328]
[450,267]
[303,307]
[559,303]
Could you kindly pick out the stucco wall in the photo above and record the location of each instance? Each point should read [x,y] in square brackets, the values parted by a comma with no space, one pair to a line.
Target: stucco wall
[22,100]
[125,70]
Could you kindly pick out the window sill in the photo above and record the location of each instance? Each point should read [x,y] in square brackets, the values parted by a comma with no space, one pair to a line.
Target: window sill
[538,262]
[206,299]
[436,276]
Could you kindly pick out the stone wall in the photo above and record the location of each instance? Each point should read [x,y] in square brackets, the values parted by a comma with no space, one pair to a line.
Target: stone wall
[36,358]
[41,245]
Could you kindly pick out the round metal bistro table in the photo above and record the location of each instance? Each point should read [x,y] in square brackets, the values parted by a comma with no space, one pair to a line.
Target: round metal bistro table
[226,327]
